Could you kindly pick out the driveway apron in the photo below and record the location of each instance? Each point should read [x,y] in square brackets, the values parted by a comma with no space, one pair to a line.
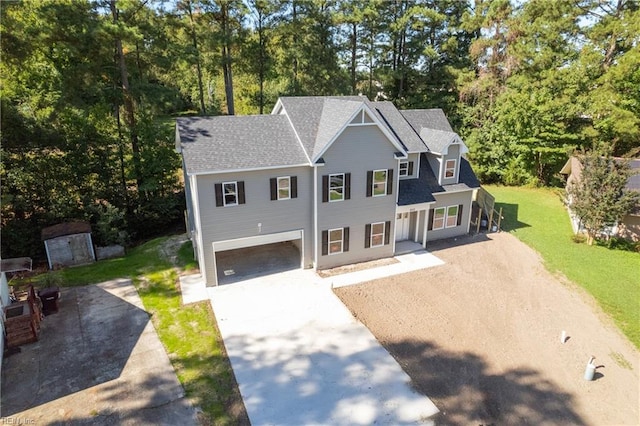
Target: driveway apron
[300,357]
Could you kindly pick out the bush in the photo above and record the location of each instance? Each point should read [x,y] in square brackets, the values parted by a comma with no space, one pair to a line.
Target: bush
[110,225]
[579,238]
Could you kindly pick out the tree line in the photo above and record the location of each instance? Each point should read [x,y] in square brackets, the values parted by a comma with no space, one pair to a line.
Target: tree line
[89,89]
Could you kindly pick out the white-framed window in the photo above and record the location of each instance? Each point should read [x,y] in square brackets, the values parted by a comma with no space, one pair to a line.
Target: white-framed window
[336,187]
[450,169]
[404,168]
[284,188]
[379,183]
[438,217]
[377,234]
[230,193]
[336,240]
[452,216]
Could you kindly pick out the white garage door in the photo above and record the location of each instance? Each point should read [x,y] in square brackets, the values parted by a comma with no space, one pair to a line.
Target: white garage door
[259,240]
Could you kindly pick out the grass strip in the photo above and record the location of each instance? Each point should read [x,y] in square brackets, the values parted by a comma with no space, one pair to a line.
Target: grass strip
[188,332]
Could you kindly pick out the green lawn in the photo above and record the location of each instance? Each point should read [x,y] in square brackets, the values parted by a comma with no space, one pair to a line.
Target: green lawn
[188,333]
[537,217]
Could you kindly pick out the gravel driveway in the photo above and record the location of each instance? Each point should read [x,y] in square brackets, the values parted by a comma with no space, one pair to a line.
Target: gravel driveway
[481,336]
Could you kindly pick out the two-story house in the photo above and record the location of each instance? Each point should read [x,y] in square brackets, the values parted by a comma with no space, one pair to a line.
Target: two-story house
[343,178]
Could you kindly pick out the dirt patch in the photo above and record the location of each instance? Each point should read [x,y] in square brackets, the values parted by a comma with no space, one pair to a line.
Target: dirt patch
[326,273]
[480,336]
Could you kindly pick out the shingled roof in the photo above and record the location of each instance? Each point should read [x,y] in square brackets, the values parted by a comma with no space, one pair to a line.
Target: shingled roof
[422,190]
[310,123]
[225,143]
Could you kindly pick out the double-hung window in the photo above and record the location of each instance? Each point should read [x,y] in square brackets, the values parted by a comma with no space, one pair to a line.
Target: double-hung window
[336,187]
[445,217]
[377,234]
[229,193]
[379,183]
[335,241]
[450,169]
[438,218]
[404,168]
[452,216]
[284,188]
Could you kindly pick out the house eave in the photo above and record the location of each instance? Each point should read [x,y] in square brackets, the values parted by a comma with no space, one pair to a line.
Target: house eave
[250,169]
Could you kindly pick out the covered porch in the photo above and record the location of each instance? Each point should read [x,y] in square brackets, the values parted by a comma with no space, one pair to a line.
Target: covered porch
[411,227]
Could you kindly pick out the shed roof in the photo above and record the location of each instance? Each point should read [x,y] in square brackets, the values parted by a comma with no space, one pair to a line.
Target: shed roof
[67,228]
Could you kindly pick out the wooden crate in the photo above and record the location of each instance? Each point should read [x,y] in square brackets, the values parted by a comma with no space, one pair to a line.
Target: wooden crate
[22,319]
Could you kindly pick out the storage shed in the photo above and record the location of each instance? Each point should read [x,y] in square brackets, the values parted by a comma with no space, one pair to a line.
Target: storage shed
[68,244]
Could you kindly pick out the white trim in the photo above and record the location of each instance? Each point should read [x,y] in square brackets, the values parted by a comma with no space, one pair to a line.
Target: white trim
[256,240]
[384,234]
[217,172]
[195,202]
[401,162]
[224,193]
[455,170]
[377,122]
[329,241]
[435,194]
[444,219]
[329,187]
[446,216]
[288,178]
[315,216]
[373,183]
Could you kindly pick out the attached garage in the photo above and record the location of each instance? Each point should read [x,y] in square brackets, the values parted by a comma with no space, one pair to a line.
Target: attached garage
[244,258]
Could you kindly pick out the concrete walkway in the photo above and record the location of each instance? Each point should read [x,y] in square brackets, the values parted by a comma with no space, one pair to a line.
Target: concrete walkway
[300,357]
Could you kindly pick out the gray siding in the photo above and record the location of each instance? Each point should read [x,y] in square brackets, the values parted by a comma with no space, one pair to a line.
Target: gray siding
[452,154]
[435,165]
[445,200]
[357,150]
[226,223]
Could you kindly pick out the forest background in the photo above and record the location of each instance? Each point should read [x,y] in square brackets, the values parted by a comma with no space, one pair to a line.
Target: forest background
[90,90]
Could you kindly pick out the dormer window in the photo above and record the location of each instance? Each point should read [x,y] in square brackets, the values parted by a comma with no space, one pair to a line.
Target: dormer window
[450,169]
[406,168]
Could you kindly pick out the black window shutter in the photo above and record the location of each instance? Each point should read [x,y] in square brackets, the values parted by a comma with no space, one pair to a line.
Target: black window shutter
[274,188]
[367,235]
[347,186]
[430,227]
[219,202]
[325,243]
[410,171]
[241,192]
[325,188]
[459,222]
[345,239]
[389,181]
[294,187]
[387,231]
[369,182]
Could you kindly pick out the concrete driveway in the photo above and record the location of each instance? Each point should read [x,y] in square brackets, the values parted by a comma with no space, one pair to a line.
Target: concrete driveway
[300,357]
[98,361]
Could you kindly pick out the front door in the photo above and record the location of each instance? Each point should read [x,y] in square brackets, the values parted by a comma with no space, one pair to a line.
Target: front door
[402,226]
